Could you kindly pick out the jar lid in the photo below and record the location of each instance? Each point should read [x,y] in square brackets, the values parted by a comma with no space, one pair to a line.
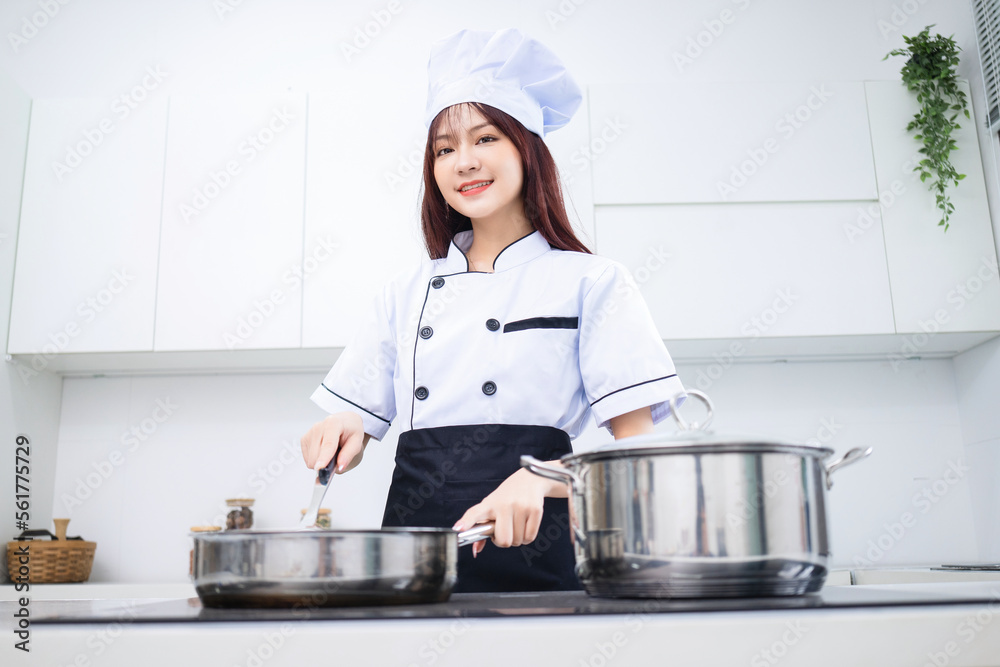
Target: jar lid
[321,511]
[239,502]
[205,529]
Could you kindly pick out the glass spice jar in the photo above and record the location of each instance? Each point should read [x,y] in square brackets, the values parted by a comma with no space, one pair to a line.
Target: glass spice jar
[322,517]
[240,516]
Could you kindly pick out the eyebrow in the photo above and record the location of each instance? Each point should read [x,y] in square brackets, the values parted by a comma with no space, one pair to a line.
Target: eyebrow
[441,137]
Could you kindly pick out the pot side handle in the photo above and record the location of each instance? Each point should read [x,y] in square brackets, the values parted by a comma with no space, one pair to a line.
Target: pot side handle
[557,473]
[852,456]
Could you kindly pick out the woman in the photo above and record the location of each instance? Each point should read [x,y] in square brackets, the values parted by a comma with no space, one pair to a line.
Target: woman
[506,340]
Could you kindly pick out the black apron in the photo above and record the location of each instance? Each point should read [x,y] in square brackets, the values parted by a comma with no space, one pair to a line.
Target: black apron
[442,472]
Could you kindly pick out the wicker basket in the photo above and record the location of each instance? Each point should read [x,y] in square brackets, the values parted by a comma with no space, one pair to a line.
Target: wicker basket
[55,561]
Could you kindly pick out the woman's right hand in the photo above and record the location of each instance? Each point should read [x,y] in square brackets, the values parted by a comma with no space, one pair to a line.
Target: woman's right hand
[341,434]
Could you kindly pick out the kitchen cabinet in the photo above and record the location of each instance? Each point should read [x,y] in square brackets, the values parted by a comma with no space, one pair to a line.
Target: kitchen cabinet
[86,268]
[941,281]
[362,206]
[751,270]
[232,237]
[254,231]
[730,142]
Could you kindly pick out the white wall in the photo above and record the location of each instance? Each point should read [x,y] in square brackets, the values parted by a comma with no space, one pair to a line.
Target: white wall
[227,426]
[977,376]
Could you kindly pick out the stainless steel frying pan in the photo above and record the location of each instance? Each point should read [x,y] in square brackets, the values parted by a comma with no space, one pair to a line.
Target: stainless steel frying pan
[328,568]
[310,567]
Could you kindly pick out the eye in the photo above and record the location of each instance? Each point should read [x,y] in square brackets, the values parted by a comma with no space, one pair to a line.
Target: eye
[442,151]
[486,139]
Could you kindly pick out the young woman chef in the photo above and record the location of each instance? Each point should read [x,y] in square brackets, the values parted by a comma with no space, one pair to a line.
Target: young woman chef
[507,340]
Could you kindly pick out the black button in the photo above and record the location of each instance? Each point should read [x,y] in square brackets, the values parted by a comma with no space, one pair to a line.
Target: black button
[421,393]
[492,324]
[426,332]
[489,388]
[437,283]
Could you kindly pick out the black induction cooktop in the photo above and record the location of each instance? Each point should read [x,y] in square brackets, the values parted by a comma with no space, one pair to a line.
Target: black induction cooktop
[486,605]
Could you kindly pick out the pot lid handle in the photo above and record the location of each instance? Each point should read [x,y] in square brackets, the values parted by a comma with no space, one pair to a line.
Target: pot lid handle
[694,426]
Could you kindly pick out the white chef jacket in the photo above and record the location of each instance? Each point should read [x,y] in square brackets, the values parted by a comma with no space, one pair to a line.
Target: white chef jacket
[549,338]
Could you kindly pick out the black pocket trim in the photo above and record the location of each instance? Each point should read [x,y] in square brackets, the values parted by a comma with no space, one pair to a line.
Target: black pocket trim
[543,323]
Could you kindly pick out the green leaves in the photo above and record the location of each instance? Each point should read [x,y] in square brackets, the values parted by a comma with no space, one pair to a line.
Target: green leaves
[930,73]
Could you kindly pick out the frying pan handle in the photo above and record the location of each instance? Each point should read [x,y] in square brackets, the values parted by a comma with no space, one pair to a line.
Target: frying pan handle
[852,456]
[477,533]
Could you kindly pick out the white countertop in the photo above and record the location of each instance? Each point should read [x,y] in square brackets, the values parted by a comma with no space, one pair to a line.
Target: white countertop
[965,635]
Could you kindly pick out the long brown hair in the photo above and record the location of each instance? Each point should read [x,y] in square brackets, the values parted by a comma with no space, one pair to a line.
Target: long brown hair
[541,192]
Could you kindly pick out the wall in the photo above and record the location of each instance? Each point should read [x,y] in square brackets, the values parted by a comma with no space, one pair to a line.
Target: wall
[224,429]
[29,400]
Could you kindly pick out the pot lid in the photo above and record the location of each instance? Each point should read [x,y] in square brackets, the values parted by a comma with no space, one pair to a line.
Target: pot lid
[696,438]
[697,442]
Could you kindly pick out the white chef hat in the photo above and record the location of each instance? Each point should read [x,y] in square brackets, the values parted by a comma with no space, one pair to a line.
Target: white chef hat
[504,69]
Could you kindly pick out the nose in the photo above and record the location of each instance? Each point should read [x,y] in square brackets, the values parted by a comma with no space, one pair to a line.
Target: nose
[467,160]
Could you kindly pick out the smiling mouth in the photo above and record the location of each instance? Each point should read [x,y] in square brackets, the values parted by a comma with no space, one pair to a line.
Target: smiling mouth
[475,186]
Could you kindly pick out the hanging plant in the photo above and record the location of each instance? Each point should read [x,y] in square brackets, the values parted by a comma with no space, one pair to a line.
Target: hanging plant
[930,73]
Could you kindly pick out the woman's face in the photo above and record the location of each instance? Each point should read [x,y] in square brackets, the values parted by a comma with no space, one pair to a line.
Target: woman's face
[479,171]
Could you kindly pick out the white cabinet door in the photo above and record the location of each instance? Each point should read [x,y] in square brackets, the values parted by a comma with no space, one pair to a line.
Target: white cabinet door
[232,224]
[752,270]
[718,142]
[941,281]
[85,277]
[363,182]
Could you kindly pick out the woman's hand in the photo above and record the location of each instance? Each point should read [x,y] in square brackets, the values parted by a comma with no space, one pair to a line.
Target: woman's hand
[341,434]
[516,507]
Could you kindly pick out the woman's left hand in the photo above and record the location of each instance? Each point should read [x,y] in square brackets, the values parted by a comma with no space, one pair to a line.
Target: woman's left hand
[515,507]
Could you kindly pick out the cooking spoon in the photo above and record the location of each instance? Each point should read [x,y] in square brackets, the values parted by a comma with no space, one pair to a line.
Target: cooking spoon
[323,477]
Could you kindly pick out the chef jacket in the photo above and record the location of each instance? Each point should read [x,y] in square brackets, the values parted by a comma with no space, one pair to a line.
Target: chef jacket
[549,338]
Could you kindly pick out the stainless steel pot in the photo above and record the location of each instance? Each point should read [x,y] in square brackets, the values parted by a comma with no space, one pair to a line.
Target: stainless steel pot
[699,514]
[328,568]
